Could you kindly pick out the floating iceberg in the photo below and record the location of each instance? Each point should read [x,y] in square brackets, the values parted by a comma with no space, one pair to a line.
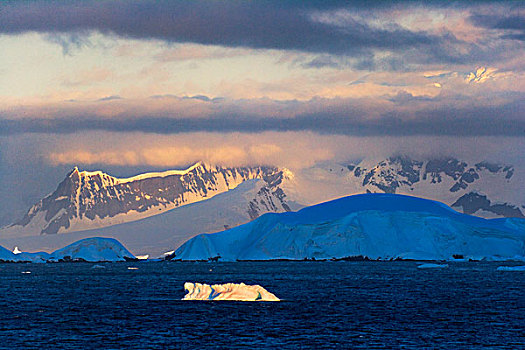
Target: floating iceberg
[228,291]
[375,226]
[6,255]
[93,249]
[432,266]
[511,268]
[90,249]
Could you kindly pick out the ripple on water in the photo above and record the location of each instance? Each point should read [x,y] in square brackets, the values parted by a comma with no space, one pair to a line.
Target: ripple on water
[325,305]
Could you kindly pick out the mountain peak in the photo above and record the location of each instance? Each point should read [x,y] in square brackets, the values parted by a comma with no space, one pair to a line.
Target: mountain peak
[92,199]
[75,170]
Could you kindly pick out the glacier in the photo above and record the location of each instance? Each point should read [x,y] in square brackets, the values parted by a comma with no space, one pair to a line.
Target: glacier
[227,291]
[94,249]
[375,226]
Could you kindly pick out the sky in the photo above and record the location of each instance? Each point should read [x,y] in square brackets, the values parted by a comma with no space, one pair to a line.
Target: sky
[131,86]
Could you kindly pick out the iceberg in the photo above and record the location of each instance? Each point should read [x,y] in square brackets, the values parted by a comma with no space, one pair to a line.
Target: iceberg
[511,268]
[432,266]
[228,291]
[376,226]
[94,249]
[5,254]
[9,256]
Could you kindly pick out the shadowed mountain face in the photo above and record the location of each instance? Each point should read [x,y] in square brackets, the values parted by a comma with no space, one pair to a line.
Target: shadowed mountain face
[472,202]
[95,199]
[394,172]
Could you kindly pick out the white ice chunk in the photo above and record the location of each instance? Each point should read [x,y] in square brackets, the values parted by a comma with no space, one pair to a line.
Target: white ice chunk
[227,291]
[432,266]
[511,268]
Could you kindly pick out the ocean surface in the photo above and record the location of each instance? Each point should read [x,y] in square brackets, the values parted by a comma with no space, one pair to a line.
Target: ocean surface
[325,305]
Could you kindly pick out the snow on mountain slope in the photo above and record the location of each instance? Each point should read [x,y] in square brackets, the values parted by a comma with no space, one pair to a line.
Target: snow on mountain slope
[479,188]
[94,249]
[86,200]
[382,226]
[157,234]
[88,204]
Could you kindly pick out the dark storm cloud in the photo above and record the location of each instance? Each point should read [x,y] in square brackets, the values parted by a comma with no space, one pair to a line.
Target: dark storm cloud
[505,120]
[513,26]
[516,22]
[262,24]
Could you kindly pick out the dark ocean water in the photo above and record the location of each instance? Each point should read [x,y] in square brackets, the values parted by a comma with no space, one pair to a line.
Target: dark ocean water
[326,305]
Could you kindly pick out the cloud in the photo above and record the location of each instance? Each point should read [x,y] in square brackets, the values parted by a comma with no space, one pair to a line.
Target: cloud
[512,26]
[407,97]
[302,26]
[295,150]
[95,75]
[139,149]
[373,35]
[322,62]
[483,74]
[168,156]
[190,52]
[110,98]
[402,110]
[470,120]
[69,41]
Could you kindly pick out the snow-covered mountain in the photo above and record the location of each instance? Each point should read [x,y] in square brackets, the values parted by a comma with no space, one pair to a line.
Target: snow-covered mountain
[156,212]
[158,234]
[480,188]
[86,200]
[377,226]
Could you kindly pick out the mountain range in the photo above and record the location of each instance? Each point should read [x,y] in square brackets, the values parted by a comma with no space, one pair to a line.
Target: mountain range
[154,213]
[479,188]
[86,200]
